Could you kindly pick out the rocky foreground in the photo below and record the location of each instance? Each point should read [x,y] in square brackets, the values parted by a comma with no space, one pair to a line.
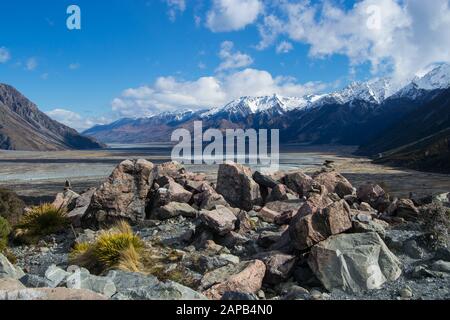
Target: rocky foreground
[248,236]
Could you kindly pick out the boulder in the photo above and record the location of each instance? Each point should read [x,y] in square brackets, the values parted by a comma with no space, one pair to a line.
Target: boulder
[279,267]
[236,185]
[245,277]
[268,215]
[281,193]
[82,279]
[172,170]
[208,198]
[8,284]
[177,193]
[174,232]
[404,208]
[174,209]
[137,286]
[65,199]
[264,180]
[79,207]
[285,206]
[374,195]
[8,270]
[334,182]
[314,224]
[299,182]
[55,276]
[364,223]
[268,238]
[354,262]
[122,196]
[34,281]
[221,220]
[48,294]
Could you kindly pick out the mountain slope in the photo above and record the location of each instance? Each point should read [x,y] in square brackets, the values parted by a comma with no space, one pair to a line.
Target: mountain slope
[425,121]
[24,127]
[419,140]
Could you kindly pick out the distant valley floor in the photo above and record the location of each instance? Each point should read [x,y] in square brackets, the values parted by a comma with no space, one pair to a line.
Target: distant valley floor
[38,176]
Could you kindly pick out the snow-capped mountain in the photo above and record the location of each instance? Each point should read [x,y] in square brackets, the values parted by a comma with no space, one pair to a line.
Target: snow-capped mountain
[253,105]
[437,78]
[374,91]
[346,116]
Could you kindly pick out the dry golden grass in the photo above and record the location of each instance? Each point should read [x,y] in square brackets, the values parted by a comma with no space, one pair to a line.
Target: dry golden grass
[116,248]
[41,221]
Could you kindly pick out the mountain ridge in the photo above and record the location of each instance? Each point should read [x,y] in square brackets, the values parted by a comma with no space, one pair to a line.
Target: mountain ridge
[24,127]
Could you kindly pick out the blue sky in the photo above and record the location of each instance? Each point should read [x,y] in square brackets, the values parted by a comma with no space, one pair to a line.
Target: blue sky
[140,57]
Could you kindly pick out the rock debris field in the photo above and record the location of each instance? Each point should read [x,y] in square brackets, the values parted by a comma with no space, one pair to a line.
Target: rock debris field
[152,232]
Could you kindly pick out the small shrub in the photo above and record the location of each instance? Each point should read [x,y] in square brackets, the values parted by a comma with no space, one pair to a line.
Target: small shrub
[5,230]
[436,221]
[117,248]
[11,206]
[41,221]
[10,256]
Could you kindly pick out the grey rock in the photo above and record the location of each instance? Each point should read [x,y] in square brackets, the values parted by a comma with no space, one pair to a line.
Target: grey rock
[370,226]
[49,294]
[82,279]
[412,249]
[443,253]
[35,281]
[296,293]
[136,286]
[79,207]
[173,232]
[354,262]
[441,266]
[238,296]
[279,266]
[55,276]
[406,293]
[174,209]
[8,270]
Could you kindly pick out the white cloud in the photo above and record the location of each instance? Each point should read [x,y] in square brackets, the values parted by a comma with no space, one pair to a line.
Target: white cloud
[74,66]
[170,94]
[31,64]
[392,35]
[5,55]
[232,15]
[175,7]
[231,59]
[284,47]
[75,120]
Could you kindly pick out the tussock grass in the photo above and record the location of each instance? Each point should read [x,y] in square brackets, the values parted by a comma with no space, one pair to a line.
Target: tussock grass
[42,220]
[116,248]
[5,230]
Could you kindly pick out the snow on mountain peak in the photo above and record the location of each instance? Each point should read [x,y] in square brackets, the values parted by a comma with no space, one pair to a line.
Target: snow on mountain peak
[254,105]
[374,91]
[437,78]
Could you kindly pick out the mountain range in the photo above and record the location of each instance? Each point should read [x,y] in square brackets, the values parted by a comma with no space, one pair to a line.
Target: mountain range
[386,121]
[24,127]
